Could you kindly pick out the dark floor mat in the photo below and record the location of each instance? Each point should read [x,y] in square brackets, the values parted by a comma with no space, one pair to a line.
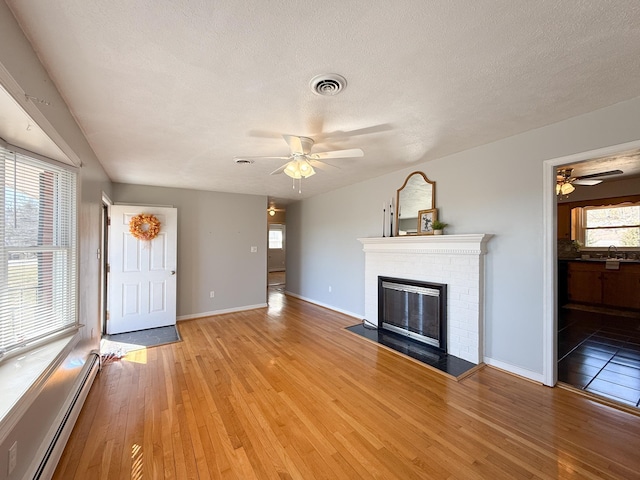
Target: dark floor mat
[120,344]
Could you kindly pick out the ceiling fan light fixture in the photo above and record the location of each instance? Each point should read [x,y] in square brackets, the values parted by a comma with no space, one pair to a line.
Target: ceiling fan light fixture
[299,168]
[292,170]
[306,170]
[566,188]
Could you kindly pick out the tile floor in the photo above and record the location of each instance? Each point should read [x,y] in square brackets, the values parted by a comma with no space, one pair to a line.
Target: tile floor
[600,353]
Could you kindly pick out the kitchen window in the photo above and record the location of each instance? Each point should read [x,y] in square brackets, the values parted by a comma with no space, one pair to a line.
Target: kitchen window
[617,225]
[38,250]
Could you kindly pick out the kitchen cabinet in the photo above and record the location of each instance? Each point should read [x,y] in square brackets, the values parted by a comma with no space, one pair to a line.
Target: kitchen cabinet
[564,221]
[621,289]
[592,283]
[585,282]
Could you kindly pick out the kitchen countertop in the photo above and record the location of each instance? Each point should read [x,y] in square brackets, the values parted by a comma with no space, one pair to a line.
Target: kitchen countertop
[600,260]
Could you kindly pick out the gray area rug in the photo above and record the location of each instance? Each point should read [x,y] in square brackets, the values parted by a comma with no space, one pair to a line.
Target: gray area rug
[118,345]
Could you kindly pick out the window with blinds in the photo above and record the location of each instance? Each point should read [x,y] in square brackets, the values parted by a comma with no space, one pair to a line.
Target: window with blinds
[37,249]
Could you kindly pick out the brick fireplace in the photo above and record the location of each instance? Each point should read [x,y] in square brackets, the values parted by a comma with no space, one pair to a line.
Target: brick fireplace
[456,261]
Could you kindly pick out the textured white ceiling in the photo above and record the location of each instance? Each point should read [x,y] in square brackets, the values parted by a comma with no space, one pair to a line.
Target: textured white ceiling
[168,91]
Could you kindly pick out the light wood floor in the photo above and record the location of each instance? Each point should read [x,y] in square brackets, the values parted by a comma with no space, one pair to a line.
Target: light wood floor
[287,393]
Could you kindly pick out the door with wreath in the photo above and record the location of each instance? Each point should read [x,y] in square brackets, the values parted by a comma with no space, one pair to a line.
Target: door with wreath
[142,269]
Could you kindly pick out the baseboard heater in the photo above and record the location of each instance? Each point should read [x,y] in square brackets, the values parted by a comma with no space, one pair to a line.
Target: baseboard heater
[69,416]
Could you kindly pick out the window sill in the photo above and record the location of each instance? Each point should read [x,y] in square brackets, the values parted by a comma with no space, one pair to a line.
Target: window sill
[23,377]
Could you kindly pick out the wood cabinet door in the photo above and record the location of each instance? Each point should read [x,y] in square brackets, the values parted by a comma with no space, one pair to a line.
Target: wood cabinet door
[564,221]
[585,284]
[621,289]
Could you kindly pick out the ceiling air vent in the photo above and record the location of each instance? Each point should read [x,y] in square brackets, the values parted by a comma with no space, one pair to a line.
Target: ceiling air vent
[243,161]
[328,84]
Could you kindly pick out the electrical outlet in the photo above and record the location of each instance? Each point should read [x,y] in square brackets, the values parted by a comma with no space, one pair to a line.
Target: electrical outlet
[254,249]
[212,294]
[13,457]
[92,333]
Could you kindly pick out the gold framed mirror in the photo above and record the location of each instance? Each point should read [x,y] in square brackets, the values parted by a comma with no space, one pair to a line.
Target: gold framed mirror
[416,194]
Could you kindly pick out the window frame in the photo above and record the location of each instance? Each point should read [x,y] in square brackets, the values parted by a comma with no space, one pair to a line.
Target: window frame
[67,207]
[579,220]
[276,227]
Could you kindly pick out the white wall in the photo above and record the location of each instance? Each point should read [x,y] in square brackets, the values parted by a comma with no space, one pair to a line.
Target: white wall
[215,234]
[495,188]
[21,66]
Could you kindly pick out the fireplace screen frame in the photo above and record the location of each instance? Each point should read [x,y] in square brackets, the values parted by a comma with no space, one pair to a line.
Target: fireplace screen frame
[441,342]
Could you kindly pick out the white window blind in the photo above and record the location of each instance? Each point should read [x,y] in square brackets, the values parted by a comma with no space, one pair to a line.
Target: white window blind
[37,249]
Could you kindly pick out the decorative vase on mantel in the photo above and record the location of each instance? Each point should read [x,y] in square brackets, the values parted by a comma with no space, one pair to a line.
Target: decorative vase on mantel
[437,232]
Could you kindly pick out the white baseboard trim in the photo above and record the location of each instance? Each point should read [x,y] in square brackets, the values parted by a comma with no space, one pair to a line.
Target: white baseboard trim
[521,372]
[324,305]
[220,312]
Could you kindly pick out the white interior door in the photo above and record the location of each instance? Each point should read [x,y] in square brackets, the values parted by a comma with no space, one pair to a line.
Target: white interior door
[142,274]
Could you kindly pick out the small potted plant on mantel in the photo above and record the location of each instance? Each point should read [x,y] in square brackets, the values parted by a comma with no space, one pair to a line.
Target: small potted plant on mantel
[438,227]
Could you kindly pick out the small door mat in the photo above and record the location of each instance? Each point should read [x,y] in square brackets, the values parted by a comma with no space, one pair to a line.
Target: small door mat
[432,357]
[118,345]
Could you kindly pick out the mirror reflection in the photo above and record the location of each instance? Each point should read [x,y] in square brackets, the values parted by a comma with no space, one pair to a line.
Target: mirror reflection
[417,193]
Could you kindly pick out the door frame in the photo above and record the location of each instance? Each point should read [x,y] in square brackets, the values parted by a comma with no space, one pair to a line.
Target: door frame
[550,254]
[103,256]
[111,271]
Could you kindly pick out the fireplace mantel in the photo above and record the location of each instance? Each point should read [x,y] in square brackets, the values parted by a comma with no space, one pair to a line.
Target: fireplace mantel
[454,260]
[467,244]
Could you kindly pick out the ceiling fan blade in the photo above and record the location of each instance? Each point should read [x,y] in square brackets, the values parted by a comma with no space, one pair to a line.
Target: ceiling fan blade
[351,153]
[601,174]
[580,181]
[298,145]
[383,127]
[260,158]
[322,165]
[279,169]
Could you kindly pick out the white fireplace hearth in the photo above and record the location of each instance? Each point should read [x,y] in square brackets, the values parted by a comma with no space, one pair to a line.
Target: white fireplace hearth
[454,260]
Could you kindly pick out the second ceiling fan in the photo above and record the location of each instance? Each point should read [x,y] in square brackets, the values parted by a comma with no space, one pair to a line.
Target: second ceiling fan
[565,180]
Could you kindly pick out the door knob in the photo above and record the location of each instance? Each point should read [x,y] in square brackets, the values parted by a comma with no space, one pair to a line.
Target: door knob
[173,272]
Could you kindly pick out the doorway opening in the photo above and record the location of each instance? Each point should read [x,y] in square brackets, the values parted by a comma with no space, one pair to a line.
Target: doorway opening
[276,263]
[277,251]
[596,334]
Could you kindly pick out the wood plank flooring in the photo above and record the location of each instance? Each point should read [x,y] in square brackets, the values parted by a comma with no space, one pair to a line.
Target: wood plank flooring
[286,393]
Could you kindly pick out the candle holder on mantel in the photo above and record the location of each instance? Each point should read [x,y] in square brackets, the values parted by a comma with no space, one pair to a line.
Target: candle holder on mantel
[387,218]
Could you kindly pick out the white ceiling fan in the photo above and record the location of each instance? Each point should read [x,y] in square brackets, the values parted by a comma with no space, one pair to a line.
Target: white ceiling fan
[301,161]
